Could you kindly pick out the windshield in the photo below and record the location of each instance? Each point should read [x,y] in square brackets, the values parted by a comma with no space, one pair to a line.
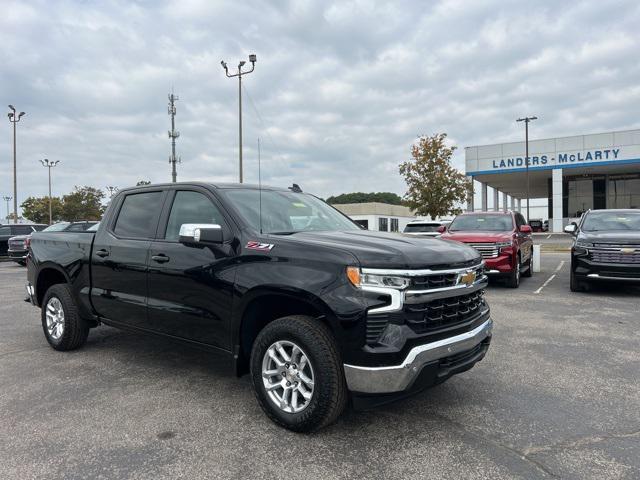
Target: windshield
[485,223]
[287,212]
[421,227]
[596,221]
[57,227]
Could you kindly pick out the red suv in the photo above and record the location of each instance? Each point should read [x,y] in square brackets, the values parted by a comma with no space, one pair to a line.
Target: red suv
[502,238]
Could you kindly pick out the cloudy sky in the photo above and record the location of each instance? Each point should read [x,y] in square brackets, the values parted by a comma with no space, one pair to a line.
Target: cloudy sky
[340,91]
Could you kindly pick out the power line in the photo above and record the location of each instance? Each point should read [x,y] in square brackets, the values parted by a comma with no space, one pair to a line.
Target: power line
[261,120]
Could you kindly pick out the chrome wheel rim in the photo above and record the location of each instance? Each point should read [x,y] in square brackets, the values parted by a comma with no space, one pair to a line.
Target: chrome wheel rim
[287,376]
[55,318]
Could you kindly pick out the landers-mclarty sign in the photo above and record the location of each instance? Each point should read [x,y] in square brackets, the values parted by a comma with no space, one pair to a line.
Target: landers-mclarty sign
[563,158]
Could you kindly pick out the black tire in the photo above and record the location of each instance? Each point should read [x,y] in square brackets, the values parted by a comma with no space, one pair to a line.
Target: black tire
[329,396]
[513,280]
[577,285]
[74,330]
[529,267]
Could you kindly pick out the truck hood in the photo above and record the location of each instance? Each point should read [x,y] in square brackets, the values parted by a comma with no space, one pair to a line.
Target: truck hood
[618,237]
[392,250]
[477,237]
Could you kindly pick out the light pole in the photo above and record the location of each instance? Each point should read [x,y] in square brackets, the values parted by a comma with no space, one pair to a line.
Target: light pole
[526,121]
[49,165]
[7,199]
[173,134]
[111,190]
[14,118]
[252,59]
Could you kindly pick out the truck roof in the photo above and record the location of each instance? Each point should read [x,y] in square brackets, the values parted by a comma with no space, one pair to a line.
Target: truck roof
[248,186]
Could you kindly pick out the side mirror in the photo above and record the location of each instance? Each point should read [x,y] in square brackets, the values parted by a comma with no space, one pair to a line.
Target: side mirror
[442,229]
[571,228]
[525,228]
[200,233]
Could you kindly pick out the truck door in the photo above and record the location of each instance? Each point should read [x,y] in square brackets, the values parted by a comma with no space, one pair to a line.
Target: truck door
[191,288]
[119,258]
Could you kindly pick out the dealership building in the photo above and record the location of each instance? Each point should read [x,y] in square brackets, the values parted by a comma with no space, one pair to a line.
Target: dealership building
[574,174]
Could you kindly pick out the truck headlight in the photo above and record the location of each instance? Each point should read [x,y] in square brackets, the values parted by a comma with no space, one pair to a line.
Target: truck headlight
[503,245]
[359,279]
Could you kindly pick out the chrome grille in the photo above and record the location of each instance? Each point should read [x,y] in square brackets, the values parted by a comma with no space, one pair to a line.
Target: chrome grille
[615,256]
[16,244]
[487,250]
[436,301]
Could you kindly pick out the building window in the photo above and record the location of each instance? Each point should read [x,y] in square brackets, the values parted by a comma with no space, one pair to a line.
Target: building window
[363,223]
[394,224]
[383,224]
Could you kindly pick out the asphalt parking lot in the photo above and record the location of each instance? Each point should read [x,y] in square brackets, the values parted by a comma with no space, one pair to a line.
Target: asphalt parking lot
[558,396]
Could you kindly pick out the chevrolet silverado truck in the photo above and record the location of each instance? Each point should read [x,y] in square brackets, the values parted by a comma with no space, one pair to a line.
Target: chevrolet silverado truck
[318,311]
[502,238]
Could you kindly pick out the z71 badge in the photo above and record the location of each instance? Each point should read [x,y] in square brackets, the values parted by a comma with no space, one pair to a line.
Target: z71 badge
[263,247]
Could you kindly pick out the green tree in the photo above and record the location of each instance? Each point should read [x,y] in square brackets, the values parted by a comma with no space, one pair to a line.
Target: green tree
[36,209]
[84,203]
[361,197]
[435,187]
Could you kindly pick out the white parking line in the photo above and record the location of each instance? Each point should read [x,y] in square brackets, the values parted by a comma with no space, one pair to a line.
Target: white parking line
[549,236]
[550,278]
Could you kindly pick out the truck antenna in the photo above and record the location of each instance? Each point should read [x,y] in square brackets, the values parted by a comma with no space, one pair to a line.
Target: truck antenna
[260,185]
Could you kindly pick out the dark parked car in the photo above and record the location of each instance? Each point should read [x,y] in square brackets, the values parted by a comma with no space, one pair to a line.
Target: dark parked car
[19,245]
[13,229]
[606,247]
[293,292]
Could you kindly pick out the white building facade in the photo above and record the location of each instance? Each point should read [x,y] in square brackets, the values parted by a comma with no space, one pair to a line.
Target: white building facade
[574,173]
[381,217]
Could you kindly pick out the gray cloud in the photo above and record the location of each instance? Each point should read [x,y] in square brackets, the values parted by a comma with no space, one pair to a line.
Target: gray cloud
[342,89]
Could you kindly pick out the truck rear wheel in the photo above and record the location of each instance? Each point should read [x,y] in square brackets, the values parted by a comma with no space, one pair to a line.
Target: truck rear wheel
[297,374]
[63,327]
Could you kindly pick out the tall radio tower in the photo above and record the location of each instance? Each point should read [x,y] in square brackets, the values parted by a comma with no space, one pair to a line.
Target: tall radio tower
[173,134]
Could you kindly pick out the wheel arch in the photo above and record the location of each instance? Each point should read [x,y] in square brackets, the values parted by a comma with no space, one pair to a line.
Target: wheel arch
[49,274]
[263,305]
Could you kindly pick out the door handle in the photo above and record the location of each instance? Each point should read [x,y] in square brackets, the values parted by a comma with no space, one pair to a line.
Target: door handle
[162,258]
[102,253]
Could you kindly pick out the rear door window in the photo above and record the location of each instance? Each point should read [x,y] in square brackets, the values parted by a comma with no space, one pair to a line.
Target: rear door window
[138,217]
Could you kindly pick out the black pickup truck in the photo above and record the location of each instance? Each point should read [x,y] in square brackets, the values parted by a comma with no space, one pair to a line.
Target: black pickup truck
[317,310]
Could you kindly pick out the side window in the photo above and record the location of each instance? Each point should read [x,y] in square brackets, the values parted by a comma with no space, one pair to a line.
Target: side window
[191,207]
[519,220]
[76,227]
[22,230]
[137,217]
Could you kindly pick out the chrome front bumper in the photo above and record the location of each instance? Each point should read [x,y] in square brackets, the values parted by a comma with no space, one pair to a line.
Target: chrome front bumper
[398,378]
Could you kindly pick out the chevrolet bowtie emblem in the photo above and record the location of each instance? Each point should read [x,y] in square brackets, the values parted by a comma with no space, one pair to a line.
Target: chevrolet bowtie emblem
[628,250]
[467,278]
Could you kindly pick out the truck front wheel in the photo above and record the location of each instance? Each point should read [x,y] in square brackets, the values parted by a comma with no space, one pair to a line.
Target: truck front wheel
[63,327]
[297,373]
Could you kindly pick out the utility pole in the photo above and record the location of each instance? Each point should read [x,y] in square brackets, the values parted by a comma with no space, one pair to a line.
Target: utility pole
[15,118]
[252,59]
[526,121]
[49,165]
[112,190]
[173,134]
[7,199]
